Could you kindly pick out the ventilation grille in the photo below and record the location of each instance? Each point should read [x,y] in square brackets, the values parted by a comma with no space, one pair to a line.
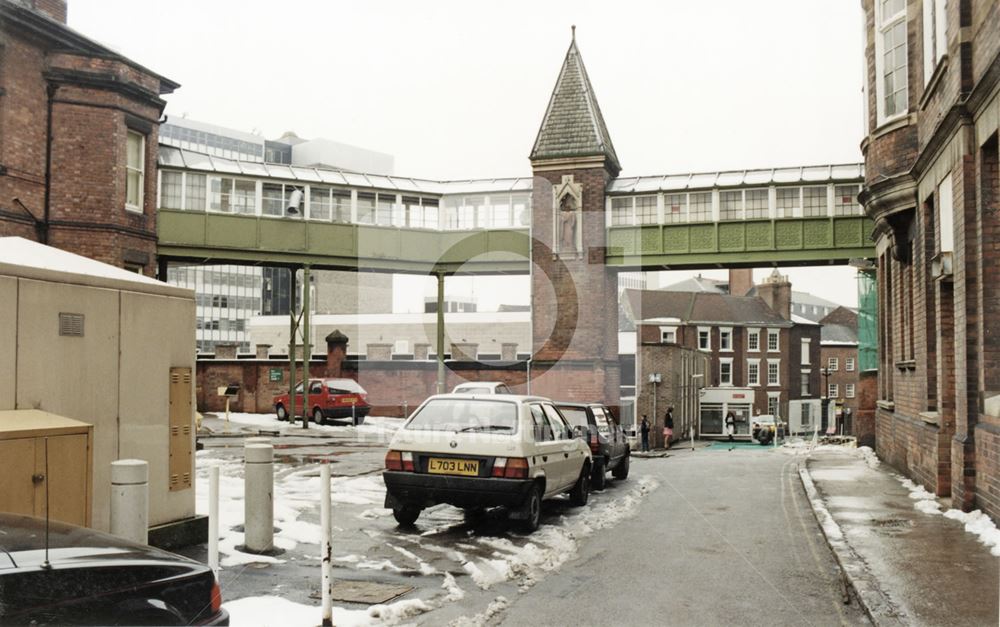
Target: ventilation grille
[71,324]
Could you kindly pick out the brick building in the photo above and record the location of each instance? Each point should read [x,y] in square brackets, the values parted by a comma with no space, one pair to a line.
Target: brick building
[839,361]
[932,186]
[751,342]
[78,139]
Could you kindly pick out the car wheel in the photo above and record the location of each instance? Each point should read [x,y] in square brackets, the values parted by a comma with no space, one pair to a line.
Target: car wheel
[600,478]
[318,416]
[580,493]
[621,470]
[533,509]
[282,414]
[406,515]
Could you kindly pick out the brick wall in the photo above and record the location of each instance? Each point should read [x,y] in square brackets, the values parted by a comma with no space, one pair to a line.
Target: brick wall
[91,99]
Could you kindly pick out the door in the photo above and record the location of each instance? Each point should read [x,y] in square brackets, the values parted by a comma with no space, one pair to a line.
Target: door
[299,389]
[315,395]
[66,478]
[548,450]
[570,449]
[17,492]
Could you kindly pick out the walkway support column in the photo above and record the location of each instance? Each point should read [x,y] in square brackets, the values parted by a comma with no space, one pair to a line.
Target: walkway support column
[290,410]
[306,346]
[440,334]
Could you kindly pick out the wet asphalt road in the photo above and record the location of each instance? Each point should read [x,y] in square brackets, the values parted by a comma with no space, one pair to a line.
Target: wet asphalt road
[727,539]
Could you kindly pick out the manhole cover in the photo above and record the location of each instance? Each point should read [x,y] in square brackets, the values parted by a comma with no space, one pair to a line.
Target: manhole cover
[367,592]
[892,523]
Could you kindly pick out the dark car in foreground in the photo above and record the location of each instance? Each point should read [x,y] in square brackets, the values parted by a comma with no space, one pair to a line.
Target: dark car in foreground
[607,441]
[93,578]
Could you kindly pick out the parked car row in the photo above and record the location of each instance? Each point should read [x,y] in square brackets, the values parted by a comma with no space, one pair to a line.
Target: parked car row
[477,451]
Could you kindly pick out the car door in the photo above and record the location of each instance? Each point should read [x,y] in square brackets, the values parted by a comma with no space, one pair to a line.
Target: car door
[315,395]
[610,432]
[547,450]
[570,449]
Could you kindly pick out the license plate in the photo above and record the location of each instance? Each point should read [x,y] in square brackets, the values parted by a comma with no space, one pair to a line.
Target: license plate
[468,467]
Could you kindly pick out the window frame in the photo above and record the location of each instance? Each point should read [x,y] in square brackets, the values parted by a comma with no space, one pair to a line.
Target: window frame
[849,364]
[777,373]
[849,390]
[755,334]
[140,171]
[776,334]
[726,382]
[753,372]
[833,364]
[883,26]
[708,338]
[832,390]
[665,331]
[725,332]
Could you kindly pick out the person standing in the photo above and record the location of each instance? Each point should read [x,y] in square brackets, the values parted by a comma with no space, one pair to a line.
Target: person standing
[668,426]
[644,428]
[730,424]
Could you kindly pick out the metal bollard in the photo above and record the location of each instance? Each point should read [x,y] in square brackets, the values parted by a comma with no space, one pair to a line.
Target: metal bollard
[326,544]
[258,510]
[213,519]
[130,499]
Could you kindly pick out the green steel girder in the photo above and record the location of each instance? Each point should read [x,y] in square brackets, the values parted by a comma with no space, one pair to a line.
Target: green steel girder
[786,242]
[224,238]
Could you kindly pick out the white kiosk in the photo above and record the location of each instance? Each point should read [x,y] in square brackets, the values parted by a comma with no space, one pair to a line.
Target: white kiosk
[716,403]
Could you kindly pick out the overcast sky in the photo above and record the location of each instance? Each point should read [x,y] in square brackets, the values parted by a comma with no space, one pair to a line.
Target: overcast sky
[458,89]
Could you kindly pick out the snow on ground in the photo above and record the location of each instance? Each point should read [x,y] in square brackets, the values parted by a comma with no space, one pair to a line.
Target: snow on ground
[274,611]
[379,427]
[975,522]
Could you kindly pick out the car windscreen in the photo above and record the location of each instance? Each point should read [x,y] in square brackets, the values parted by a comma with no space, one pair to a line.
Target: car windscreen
[468,415]
[575,416]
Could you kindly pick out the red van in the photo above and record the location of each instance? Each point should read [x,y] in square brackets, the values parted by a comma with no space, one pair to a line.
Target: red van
[328,398]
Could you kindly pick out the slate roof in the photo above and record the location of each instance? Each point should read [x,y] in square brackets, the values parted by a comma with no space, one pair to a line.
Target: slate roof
[701,307]
[838,334]
[573,125]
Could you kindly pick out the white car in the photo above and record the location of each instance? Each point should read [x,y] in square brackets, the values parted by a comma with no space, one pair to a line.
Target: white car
[476,452]
[482,387]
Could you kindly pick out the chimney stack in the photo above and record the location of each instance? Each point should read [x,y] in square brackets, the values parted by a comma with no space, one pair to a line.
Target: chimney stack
[776,290]
[740,281]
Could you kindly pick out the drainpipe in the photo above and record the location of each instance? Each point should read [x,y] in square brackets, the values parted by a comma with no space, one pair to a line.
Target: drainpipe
[43,227]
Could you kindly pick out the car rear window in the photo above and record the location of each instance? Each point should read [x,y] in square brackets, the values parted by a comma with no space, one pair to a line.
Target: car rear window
[602,419]
[344,386]
[471,390]
[575,416]
[452,414]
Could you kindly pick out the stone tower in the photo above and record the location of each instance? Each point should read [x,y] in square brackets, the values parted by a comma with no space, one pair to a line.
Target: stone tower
[574,297]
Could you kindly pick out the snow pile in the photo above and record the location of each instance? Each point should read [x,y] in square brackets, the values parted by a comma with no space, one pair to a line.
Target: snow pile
[552,545]
[496,606]
[975,522]
[274,611]
[870,457]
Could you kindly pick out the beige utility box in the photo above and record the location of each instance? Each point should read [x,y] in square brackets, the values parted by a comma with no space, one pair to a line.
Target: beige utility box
[46,461]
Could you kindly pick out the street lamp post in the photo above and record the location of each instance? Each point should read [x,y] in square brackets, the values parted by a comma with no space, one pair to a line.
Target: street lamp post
[694,377]
[826,397]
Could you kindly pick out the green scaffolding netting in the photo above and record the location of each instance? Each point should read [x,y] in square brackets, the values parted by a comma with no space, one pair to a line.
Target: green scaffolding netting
[867,321]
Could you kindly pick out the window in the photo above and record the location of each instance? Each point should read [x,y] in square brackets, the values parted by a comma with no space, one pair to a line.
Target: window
[725,371]
[935,35]
[789,201]
[170,189]
[731,205]
[668,335]
[806,414]
[384,209]
[832,390]
[726,339]
[700,206]
[645,210]
[805,387]
[849,364]
[194,192]
[273,197]
[234,195]
[845,200]
[559,426]
[806,344]
[366,208]
[813,201]
[753,340]
[753,372]
[772,373]
[135,169]
[890,59]
[704,338]
[832,364]
[772,404]
[756,203]
[772,340]
[849,390]
[674,206]
[340,205]
[319,203]
[621,211]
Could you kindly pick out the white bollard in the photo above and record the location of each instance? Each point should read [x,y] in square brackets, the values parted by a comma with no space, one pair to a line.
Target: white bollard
[213,519]
[258,510]
[130,500]
[326,544]
[257,439]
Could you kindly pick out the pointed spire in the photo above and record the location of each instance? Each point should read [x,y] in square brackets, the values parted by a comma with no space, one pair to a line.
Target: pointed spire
[573,125]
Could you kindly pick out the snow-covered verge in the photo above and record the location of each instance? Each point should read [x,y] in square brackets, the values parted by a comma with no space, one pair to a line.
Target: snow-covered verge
[275,611]
[975,522]
[373,426]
